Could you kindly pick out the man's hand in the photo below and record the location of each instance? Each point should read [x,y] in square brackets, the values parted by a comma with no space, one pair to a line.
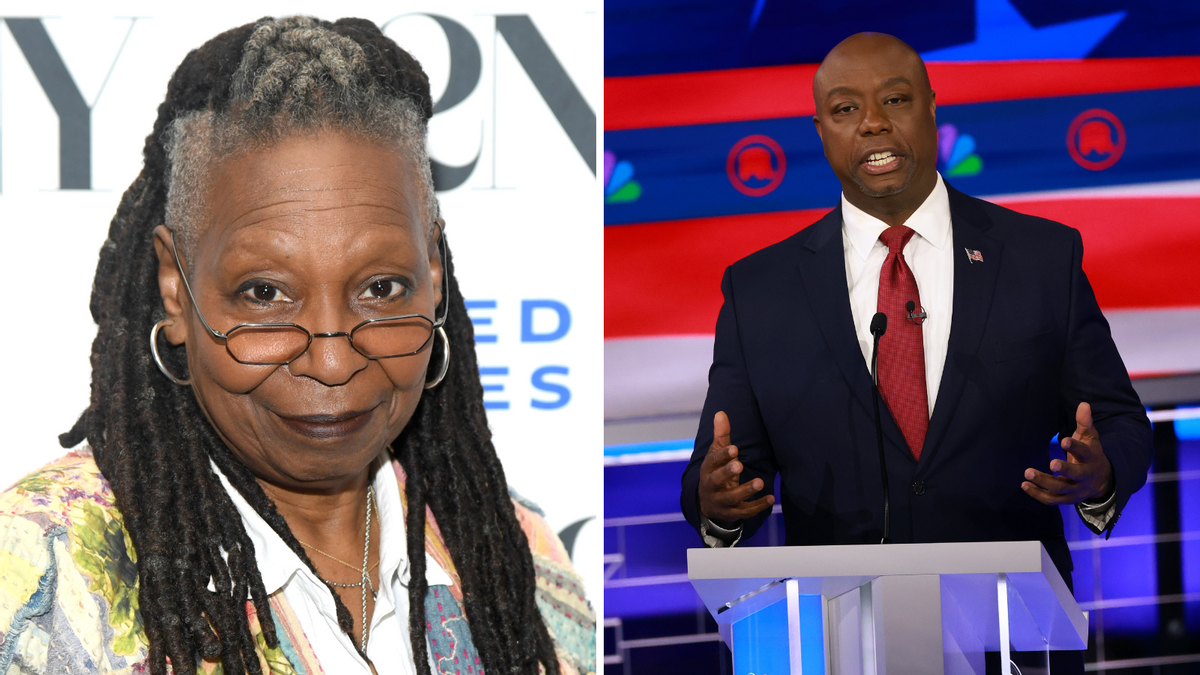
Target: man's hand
[1086,475]
[722,496]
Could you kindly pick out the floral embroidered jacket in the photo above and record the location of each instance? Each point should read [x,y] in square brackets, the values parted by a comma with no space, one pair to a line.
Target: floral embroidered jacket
[69,589]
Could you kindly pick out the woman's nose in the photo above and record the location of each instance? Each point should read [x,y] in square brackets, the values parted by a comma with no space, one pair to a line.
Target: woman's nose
[330,359]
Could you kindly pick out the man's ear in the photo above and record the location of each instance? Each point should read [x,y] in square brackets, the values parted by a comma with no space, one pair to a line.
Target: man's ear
[933,105]
[436,239]
[170,287]
[817,124]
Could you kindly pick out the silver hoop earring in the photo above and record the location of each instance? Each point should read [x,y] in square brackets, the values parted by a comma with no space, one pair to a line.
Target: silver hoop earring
[445,360]
[158,359]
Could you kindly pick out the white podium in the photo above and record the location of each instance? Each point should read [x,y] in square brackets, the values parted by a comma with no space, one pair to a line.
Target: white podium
[894,609]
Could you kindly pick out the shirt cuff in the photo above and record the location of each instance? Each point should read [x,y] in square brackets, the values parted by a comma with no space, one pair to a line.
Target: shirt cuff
[1098,516]
[715,536]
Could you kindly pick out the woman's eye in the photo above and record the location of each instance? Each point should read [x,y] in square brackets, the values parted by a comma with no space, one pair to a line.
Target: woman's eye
[263,292]
[384,289]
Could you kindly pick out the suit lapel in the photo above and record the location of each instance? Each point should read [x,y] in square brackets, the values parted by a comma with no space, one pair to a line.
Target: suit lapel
[823,271]
[974,288]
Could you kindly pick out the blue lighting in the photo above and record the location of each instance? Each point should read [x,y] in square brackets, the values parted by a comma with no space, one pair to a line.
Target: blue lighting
[1188,429]
[652,446]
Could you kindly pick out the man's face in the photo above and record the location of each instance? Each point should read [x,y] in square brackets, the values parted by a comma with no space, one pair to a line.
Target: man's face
[875,116]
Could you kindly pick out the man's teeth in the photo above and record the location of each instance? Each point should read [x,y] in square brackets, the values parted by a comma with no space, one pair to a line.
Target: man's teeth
[880,158]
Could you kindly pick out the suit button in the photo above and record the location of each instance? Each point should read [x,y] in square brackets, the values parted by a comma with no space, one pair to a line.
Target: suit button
[918,488]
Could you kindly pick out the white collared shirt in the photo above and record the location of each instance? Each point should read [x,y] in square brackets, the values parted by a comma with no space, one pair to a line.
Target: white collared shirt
[388,644]
[930,256]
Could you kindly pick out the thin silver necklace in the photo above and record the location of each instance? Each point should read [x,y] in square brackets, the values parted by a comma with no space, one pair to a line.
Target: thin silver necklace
[366,574]
[365,582]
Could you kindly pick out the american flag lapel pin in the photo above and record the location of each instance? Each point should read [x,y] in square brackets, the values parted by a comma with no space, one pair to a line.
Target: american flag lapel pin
[974,256]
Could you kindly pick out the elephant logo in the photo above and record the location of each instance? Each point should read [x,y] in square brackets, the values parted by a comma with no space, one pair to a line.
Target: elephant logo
[1096,139]
[756,165]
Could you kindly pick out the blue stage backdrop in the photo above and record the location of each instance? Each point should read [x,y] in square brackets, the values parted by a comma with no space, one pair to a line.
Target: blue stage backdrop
[1083,112]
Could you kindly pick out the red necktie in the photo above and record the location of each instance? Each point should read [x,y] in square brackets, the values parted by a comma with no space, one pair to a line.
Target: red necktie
[901,360]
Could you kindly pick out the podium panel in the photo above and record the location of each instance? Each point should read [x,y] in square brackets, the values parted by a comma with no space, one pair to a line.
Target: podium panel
[888,609]
[785,634]
[766,641]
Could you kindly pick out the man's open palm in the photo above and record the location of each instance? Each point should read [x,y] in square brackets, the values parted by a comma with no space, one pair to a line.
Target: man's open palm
[722,494]
[1085,476]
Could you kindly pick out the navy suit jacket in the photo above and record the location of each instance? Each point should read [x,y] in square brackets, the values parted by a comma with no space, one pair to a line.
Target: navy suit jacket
[1027,344]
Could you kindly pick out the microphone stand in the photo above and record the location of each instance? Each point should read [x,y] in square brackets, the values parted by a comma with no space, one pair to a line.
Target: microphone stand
[878,328]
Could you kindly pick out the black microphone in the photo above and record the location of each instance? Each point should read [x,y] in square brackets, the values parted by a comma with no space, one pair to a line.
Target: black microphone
[915,316]
[878,328]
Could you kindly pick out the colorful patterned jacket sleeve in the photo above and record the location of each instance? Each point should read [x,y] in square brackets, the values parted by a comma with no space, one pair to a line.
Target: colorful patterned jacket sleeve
[560,597]
[560,593]
[68,576]
[69,584]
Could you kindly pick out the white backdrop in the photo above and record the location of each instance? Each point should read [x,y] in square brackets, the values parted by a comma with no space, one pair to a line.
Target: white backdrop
[525,224]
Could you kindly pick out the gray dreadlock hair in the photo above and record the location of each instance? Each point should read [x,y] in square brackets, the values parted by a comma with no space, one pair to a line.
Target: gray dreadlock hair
[245,89]
[295,77]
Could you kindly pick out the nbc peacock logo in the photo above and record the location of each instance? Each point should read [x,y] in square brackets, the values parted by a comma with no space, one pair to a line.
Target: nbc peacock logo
[957,152]
[619,186]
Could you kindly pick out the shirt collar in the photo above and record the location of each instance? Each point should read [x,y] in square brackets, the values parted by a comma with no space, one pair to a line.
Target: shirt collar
[394,556]
[278,563]
[931,221]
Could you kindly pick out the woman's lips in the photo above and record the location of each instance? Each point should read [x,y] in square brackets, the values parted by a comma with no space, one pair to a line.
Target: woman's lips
[328,426]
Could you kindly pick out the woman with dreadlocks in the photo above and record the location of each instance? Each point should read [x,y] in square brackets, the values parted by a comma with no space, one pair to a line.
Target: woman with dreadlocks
[294,474]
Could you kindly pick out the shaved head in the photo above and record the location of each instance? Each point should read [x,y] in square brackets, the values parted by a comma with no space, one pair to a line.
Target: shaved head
[853,48]
[875,114]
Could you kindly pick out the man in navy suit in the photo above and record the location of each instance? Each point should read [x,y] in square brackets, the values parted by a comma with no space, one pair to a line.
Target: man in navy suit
[994,343]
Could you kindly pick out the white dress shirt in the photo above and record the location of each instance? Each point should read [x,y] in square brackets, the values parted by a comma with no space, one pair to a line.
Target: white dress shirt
[388,644]
[930,256]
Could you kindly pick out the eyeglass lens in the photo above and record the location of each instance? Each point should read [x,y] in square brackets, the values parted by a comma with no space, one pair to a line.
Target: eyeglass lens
[278,344]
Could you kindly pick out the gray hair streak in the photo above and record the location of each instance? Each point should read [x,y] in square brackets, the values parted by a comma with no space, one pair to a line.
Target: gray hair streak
[295,78]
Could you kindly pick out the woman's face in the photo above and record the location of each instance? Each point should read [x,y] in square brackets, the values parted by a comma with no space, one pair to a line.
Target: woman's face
[322,231]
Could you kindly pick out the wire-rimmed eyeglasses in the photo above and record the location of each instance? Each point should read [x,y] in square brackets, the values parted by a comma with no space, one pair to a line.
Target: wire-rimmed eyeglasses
[278,344]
